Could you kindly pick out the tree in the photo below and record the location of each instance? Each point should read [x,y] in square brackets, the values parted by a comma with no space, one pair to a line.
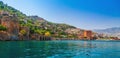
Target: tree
[47,33]
[23,32]
[38,32]
[2,28]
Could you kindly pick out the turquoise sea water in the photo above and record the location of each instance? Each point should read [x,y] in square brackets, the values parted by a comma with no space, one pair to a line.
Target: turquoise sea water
[60,49]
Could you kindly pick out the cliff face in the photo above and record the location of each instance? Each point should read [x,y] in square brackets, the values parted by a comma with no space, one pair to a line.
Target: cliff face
[11,23]
[4,35]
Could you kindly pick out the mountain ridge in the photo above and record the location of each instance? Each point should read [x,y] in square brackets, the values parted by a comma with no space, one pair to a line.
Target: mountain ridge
[115,31]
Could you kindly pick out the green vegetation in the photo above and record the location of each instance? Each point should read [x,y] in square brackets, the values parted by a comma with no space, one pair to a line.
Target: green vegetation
[11,10]
[23,32]
[2,28]
[37,25]
[47,33]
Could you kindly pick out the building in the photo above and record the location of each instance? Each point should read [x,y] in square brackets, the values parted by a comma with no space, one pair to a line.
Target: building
[87,34]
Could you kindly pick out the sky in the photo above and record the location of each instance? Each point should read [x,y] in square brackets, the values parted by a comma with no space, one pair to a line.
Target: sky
[84,14]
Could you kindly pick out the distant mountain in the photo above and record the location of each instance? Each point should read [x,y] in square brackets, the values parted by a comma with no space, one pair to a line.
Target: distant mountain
[110,31]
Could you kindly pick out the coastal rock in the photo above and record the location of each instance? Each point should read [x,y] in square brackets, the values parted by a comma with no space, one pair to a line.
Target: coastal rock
[4,35]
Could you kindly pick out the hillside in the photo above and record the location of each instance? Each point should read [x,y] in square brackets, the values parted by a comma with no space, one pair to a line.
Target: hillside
[36,24]
[15,25]
[53,28]
[11,10]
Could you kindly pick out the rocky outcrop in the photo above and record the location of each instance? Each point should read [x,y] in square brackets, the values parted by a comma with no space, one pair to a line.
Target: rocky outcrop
[40,37]
[11,23]
[24,33]
[4,35]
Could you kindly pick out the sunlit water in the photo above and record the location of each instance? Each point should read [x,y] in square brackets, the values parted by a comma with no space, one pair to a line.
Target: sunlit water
[59,49]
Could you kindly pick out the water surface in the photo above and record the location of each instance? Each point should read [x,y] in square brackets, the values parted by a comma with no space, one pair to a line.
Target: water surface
[59,49]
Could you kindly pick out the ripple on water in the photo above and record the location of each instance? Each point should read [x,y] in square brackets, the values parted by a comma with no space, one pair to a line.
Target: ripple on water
[66,49]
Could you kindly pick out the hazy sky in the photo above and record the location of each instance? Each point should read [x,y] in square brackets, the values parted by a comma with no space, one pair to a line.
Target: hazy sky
[85,14]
